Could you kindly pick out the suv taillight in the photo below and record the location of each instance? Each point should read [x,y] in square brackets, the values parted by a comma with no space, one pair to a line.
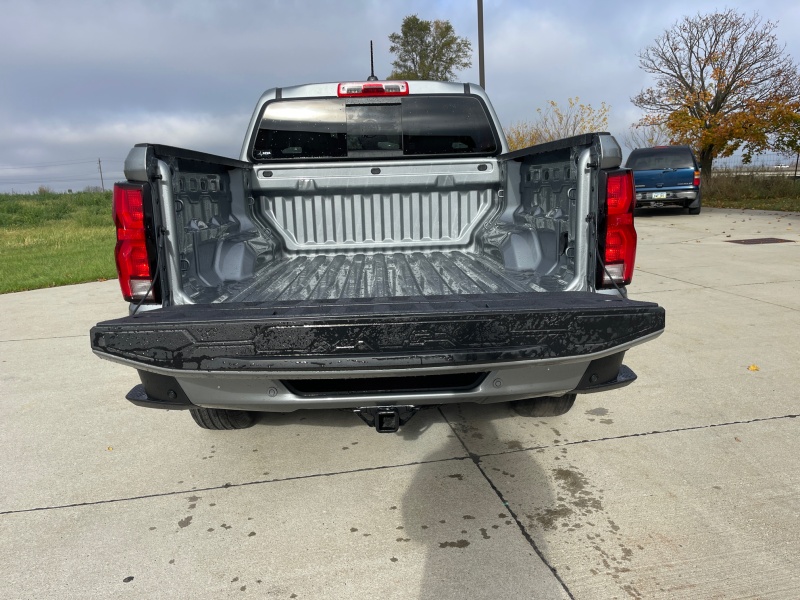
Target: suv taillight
[696,180]
[616,231]
[133,262]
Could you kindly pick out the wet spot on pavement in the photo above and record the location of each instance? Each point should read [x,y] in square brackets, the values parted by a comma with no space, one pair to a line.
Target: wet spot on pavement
[550,516]
[456,544]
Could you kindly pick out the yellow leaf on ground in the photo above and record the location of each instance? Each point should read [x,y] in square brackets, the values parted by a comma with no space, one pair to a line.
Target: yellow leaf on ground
[753,368]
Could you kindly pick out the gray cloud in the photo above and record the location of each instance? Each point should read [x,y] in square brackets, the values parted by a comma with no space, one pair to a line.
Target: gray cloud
[82,81]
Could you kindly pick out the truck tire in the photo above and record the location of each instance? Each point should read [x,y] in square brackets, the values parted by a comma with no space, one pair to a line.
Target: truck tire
[695,210]
[218,419]
[546,406]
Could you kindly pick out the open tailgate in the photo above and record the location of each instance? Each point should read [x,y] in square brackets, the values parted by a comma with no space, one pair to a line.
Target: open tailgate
[377,334]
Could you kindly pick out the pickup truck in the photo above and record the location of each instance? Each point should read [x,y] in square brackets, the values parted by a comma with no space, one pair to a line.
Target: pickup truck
[375,248]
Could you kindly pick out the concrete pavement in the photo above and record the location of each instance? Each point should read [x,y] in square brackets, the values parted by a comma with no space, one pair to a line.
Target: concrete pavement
[682,485]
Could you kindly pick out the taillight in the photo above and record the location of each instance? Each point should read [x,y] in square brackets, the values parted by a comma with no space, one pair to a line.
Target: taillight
[130,254]
[373,88]
[696,180]
[617,233]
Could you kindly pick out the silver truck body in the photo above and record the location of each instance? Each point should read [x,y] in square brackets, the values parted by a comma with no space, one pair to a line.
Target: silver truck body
[388,236]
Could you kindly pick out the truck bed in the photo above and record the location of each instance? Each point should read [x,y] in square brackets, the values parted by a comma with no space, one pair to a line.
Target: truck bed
[326,231]
[383,275]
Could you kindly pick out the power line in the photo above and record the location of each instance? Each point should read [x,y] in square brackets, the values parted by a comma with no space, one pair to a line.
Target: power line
[58,180]
[56,164]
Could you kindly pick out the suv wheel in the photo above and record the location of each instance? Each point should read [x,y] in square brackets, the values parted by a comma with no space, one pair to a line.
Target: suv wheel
[217,418]
[695,210]
[547,406]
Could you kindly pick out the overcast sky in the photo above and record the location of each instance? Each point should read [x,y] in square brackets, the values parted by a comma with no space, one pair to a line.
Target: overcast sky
[85,80]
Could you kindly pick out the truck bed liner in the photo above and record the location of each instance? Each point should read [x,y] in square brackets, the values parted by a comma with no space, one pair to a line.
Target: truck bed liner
[384,275]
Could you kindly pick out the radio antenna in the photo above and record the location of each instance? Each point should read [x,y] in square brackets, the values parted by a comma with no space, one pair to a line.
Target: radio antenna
[371,64]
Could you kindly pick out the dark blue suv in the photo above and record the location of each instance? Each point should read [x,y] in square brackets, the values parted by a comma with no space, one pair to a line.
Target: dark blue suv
[666,176]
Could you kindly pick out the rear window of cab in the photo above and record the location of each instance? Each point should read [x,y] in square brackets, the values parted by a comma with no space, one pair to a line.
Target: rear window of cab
[650,159]
[347,128]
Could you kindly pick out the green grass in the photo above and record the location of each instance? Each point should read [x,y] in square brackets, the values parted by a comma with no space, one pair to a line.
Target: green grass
[55,239]
[51,239]
[752,192]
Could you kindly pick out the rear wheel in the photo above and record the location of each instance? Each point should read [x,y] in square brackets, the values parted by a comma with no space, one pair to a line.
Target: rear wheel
[695,210]
[547,406]
[217,418]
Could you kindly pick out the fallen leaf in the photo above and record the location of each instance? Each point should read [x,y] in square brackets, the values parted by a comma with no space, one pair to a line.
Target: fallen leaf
[109,448]
[753,368]
[737,439]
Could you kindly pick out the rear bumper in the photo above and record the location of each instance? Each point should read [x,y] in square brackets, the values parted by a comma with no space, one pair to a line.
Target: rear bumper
[247,356]
[671,198]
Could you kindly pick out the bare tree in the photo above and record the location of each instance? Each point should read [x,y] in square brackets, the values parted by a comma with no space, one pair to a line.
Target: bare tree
[722,82]
[646,136]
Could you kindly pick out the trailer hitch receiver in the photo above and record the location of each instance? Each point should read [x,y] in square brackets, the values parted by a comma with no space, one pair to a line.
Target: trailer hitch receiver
[386,419]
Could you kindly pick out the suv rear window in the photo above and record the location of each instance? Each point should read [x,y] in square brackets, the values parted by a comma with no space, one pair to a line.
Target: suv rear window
[646,159]
[412,126]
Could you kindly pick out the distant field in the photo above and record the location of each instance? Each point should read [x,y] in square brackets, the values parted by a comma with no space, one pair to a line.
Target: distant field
[55,239]
[744,191]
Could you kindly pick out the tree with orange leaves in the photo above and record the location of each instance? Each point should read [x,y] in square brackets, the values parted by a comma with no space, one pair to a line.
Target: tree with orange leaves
[722,83]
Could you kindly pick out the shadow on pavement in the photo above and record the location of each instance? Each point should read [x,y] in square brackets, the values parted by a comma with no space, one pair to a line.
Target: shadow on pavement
[472,543]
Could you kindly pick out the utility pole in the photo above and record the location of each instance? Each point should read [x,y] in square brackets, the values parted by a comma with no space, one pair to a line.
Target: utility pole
[482,73]
[100,166]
